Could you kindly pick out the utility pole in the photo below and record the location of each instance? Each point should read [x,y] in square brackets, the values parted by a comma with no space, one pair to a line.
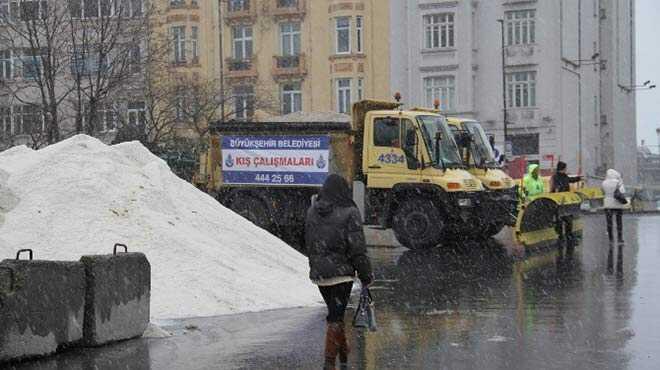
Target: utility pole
[506,123]
[222,60]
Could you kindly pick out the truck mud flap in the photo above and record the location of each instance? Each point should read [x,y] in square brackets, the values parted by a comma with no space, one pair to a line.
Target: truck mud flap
[537,220]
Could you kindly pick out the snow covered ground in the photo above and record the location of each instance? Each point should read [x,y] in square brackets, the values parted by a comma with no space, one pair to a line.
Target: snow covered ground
[81,196]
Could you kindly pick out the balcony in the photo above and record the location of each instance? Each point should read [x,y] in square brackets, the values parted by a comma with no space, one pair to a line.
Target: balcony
[241,68]
[289,66]
[240,12]
[289,8]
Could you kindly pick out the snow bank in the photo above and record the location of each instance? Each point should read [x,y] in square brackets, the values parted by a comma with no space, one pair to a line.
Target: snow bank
[81,196]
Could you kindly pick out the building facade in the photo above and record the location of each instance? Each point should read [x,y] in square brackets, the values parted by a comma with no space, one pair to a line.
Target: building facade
[314,56]
[567,75]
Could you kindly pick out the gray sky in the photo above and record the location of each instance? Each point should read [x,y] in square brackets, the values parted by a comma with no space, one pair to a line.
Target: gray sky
[648,68]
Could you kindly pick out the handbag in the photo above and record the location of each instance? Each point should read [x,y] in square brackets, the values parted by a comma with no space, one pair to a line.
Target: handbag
[365,314]
[618,195]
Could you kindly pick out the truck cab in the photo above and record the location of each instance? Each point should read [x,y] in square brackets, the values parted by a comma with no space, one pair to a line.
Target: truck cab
[415,180]
[500,195]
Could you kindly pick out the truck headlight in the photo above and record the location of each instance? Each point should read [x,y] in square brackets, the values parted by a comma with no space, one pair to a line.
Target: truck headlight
[464,202]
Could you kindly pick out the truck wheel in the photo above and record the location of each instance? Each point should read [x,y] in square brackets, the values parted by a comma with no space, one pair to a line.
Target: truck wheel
[418,224]
[253,209]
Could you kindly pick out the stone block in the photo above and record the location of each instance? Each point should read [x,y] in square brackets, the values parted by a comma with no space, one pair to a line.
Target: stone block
[118,297]
[41,307]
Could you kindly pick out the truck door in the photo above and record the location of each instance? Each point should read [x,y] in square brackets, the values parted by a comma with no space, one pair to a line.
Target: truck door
[392,153]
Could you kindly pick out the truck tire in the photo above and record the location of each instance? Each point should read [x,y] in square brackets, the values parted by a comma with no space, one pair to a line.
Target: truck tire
[253,209]
[418,224]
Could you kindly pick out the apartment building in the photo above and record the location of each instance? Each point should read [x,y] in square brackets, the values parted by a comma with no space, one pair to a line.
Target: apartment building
[568,70]
[192,28]
[319,55]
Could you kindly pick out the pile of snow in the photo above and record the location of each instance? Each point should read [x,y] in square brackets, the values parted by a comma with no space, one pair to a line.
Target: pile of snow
[81,196]
[310,117]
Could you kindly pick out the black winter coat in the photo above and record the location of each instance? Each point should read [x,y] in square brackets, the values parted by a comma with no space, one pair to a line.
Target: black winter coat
[335,242]
[561,182]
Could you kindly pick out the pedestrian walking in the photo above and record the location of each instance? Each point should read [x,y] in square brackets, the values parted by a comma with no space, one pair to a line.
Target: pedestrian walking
[560,183]
[614,202]
[532,183]
[337,251]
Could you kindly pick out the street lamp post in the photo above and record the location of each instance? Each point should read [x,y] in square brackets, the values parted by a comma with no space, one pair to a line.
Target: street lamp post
[504,108]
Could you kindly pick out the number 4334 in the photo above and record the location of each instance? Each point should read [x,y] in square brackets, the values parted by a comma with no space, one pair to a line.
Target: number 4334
[391,158]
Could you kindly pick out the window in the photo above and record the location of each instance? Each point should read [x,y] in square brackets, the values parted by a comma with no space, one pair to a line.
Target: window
[106,118]
[520,27]
[291,98]
[176,3]
[179,42]
[136,59]
[194,38]
[521,89]
[31,63]
[136,114]
[387,132]
[360,88]
[28,9]
[344,95]
[442,88]
[359,33]
[290,39]
[5,65]
[91,8]
[87,63]
[242,36]
[132,8]
[343,35]
[5,122]
[243,102]
[179,112]
[4,11]
[28,119]
[525,144]
[439,31]
[287,3]
[239,5]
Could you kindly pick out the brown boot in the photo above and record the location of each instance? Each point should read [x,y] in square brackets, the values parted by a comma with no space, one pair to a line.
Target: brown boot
[332,344]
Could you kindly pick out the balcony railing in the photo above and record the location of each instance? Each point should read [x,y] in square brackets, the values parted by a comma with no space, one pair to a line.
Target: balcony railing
[293,65]
[289,8]
[241,68]
[240,11]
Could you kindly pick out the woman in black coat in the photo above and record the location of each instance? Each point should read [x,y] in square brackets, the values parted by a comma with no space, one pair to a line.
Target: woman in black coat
[337,251]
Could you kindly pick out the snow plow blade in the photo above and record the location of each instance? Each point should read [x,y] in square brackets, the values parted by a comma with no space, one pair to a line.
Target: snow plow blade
[593,196]
[537,219]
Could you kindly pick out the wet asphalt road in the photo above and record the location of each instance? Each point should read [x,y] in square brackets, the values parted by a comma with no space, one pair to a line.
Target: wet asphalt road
[462,307]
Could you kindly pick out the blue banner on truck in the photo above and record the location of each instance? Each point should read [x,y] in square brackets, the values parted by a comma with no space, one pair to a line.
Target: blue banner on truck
[275,160]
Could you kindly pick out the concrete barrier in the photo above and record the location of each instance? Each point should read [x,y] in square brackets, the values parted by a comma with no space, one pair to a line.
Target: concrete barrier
[118,297]
[41,307]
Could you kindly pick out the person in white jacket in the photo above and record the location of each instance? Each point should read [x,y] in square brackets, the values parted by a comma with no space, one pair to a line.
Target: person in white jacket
[613,207]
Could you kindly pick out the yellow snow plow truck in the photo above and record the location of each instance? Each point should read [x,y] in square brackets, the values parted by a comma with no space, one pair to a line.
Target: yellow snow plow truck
[535,220]
[404,166]
[500,191]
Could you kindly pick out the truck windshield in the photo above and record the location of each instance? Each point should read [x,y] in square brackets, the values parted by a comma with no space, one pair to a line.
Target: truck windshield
[448,150]
[481,149]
